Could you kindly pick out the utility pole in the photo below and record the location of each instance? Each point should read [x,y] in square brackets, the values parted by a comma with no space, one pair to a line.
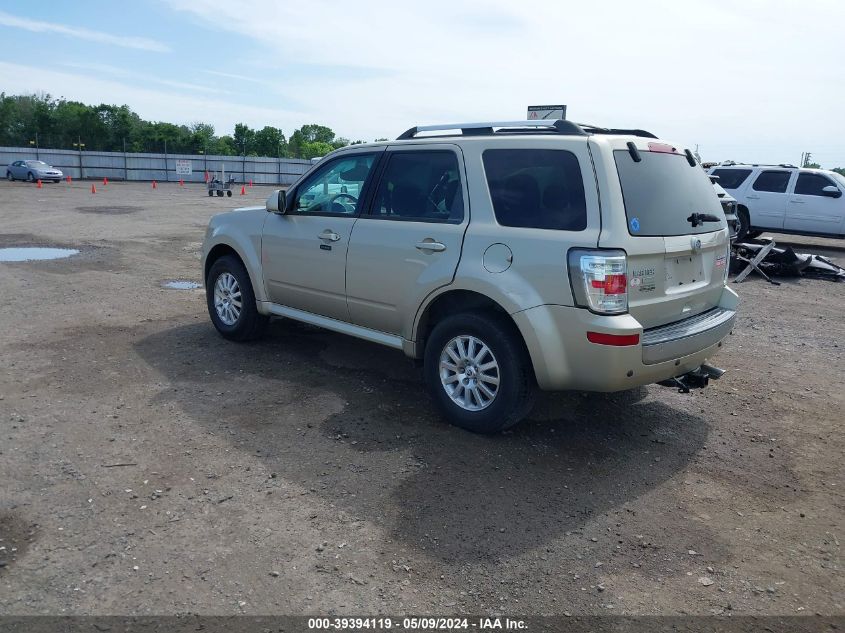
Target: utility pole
[80,145]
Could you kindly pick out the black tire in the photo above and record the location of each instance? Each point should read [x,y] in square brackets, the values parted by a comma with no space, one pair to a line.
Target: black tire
[30,177]
[229,193]
[10,177]
[517,385]
[250,324]
[744,224]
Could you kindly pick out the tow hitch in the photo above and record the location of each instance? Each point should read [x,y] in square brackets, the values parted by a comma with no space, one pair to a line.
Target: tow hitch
[698,378]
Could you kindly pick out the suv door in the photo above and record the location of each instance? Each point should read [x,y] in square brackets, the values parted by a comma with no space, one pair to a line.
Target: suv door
[409,242]
[812,210]
[303,252]
[767,197]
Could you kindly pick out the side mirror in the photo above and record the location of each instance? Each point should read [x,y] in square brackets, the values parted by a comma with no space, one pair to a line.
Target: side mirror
[277,202]
[833,191]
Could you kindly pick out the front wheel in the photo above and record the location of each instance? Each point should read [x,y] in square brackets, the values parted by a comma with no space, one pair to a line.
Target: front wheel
[231,301]
[478,372]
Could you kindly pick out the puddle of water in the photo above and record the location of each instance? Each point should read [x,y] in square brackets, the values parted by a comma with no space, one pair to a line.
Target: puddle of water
[181,285]
[30,254]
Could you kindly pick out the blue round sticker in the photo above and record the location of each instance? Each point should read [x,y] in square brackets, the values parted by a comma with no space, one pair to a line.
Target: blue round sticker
[635,224]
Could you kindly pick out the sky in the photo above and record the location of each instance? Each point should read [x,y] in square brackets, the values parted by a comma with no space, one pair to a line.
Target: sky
[756,81]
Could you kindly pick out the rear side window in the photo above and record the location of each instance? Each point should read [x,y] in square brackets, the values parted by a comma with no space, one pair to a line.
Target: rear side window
[772,181]
[731,178]
[423,186]
[536,188]
[811,184]
[662,191]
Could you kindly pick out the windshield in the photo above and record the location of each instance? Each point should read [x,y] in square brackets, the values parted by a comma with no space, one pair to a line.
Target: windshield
[662,191]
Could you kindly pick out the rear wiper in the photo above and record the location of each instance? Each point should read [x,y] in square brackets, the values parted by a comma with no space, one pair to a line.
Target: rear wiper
[697,219]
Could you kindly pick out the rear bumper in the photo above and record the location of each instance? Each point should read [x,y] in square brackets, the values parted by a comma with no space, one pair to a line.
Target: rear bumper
[563,358]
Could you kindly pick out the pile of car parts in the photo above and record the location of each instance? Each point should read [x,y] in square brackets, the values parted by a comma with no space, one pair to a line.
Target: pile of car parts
[764,257]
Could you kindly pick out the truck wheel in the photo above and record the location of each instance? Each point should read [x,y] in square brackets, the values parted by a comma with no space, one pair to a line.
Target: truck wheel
[478,372]
[231,301]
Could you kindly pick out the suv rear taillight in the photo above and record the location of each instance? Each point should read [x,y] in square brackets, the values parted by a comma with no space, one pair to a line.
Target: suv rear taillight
[599,280]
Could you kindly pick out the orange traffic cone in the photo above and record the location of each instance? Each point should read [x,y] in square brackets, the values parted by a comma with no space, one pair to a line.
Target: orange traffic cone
[68,179]
[155,186]
[243,190]
[181,182]
[93,189]
[105,181]
[39,183]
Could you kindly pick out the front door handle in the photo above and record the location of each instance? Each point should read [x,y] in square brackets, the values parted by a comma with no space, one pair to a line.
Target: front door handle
[434,247]
[329,236]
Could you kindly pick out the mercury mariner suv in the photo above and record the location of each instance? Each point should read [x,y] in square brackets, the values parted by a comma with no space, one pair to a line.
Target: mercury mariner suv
[502,256]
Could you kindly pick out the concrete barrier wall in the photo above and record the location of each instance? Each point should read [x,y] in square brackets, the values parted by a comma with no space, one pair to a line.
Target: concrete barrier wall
[120,166]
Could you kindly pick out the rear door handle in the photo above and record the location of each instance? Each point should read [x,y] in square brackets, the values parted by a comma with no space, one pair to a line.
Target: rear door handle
[329,236]
[434,247]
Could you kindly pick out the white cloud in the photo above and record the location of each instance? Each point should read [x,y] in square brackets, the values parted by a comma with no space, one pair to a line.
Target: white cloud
[36,26]
[149,103]
[758,78]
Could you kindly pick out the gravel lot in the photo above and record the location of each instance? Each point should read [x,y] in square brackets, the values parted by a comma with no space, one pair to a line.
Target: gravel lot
[147,466]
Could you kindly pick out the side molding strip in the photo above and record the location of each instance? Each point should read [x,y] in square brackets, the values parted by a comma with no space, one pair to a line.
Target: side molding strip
[334,325]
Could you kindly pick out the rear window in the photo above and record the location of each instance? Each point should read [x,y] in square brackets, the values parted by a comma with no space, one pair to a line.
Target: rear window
[536,188]
[662,191]
[731,178]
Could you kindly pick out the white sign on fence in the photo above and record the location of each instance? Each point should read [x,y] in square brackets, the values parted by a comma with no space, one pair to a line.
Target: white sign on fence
[552,112]
[183,167]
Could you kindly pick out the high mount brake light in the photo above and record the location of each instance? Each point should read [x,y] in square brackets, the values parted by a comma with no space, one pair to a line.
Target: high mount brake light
[599,280]
[663,148]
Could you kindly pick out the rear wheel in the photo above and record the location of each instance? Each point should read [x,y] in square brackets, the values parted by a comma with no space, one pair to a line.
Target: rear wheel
[478,372]
[744,224]
[231,301]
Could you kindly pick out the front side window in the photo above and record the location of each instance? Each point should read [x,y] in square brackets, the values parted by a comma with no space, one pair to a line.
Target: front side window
[731,178]
[812,184]
[422,186]
[772,181]
[335,187]
[536,188]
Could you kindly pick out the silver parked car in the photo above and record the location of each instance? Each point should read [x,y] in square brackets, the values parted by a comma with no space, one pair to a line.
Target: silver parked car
[501,256]
[32,170]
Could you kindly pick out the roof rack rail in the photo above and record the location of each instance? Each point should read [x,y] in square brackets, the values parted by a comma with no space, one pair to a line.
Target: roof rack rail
[560,126]
[595,129]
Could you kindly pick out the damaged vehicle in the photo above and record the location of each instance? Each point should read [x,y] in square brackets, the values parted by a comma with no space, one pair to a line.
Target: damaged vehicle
[590,259]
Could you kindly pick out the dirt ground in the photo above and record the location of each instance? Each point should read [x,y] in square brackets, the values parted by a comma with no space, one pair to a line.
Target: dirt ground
[147,466]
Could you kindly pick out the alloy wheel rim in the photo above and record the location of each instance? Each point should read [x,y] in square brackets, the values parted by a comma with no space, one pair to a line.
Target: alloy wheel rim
[469,373]
[227,298]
